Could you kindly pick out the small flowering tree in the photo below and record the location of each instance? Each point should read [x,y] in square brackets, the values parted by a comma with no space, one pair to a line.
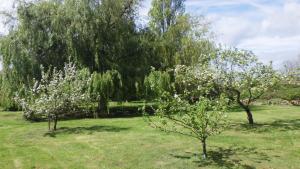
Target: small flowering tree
[199,120]
[57,93]
[178,113]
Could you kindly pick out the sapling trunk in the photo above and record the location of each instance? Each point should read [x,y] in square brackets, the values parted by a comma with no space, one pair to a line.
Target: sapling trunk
[55,122]
[97,113]
[49,123]
[102,106]
[204,152]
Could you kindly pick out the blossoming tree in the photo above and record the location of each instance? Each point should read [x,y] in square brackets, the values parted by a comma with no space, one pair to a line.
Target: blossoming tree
[57,93]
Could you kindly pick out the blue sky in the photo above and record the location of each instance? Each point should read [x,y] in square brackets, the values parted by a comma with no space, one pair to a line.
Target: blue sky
[270,28]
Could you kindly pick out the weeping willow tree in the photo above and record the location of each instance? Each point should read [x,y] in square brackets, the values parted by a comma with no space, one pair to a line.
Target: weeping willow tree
[156,83]
[96,34]
[105,86]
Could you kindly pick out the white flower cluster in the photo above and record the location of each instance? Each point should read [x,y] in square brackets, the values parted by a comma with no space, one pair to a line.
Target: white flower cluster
[57,92]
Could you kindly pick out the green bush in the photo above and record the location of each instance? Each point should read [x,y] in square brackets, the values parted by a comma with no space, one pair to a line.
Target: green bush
[282,93]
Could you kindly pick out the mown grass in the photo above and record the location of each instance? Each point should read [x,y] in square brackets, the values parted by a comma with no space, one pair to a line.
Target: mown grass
[130,143]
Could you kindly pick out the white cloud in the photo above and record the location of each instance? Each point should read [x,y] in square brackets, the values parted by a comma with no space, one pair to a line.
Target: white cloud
[277,49]
[270,31]
[5,5]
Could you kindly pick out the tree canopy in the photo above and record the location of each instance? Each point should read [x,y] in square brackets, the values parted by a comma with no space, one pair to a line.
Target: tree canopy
[100,35]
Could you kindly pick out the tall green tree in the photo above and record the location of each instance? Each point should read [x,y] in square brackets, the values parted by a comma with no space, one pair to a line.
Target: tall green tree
[180,38]
[164,14]
[98,34]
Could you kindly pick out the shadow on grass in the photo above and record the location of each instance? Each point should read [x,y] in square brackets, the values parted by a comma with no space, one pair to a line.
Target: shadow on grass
[86,130]
[278,125]
[227,157]
[252,108]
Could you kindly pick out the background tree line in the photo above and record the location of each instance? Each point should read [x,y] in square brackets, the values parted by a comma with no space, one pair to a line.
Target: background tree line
[104,37]
[101,35]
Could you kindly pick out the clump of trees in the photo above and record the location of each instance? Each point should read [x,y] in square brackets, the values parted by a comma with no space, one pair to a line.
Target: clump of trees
[101,36]
[98,35]
[192,99]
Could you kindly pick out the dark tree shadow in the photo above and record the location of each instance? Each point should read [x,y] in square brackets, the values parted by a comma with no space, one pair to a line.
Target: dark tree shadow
[9,115]
[278,125]
[86,130]
[223,157]
[127,112]
[238,109]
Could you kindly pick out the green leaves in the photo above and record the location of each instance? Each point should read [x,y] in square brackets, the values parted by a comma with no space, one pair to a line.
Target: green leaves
[106,85]
[158,83]
[200,120]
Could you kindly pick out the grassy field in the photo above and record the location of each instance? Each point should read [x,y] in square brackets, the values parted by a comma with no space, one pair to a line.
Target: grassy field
[129,143]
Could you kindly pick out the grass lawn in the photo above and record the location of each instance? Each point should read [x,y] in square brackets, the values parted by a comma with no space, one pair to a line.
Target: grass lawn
[129,143]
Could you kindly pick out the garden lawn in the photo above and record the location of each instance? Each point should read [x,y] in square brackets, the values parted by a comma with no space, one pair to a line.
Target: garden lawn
[130,143]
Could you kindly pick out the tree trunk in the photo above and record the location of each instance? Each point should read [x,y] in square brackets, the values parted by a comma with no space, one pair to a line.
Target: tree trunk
[249,116]
[55,122]
[97,112]
[248,111]
[204,153]
[49,123]
[102,106]
[245,107]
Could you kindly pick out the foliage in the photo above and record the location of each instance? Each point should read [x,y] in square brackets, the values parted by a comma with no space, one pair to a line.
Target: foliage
[6,101]
[57,93]
[289,92]
[156,83]
[100,35]
[103,87]
[180,38]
